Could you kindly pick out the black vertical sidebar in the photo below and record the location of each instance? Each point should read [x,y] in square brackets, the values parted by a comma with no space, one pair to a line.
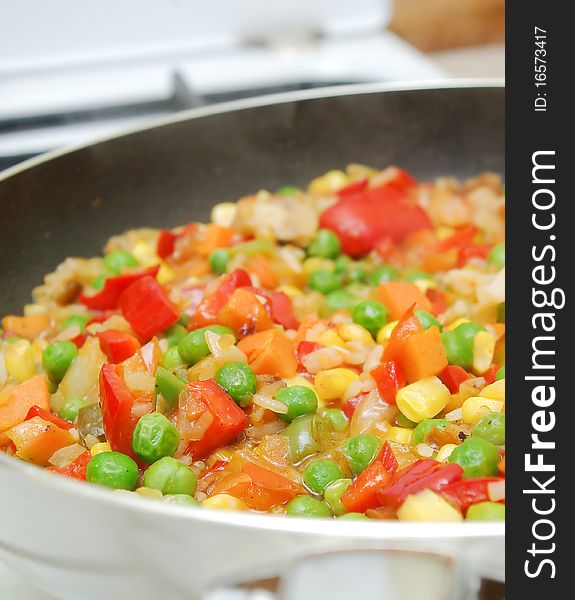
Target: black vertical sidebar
[540,170]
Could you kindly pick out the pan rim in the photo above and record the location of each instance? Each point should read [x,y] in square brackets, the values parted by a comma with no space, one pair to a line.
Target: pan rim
[257,102]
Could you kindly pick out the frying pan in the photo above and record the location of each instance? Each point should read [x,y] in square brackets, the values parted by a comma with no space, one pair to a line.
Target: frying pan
[78,541]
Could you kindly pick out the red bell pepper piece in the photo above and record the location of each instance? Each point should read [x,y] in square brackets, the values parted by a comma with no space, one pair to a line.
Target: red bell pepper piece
[425,474]
[464,255]
[108,297]
[267,489]
[228,419]
[350,405]
[461,238]
[146,306]
[453,376]
[389,379]
[76,469]
[117,345]
[211,305]
[36,411]
[438,301]
[165,243]
[117,402]
[362,219]
[282,310]
[353,188]
[303,349]
[491,373]
[362,493]
[406,327]
[469,491]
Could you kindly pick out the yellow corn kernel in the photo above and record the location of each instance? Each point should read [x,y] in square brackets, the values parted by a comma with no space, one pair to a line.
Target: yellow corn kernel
[494,391]
[221,454]
[224,214]
[328,183]
[483,351]
[34,309]
[145,254]
[19,360]
[385,332]
[315,263]
[224,502]
[425,284]
[443,232]
[331,384]
[99,448]
[445,452]
[38,347]
[352,332]
[428,506]
[165,274]
[329,338]
[475,407]
[400,435]
[149,492]
[454,324]
[423,399]
[291,291]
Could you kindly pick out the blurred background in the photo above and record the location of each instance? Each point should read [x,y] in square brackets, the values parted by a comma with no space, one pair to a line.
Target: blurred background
[73,71]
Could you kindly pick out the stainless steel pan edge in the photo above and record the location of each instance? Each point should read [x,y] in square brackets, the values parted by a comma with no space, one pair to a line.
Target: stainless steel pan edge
[83,542]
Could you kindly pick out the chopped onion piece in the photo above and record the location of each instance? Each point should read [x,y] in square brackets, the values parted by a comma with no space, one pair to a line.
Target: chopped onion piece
[373,359]
[260,431]
[139,381]
[222,347]
[68,334]
[198,429]
[455,415]
[3,371]
[496,490]
[270,403]
[424,450]
[64,456]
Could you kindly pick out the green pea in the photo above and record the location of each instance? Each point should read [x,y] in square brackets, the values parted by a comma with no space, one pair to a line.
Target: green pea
[354,516]
[382,274]
[288,190]
[360,450]
[78,321]
[478,457]
[336,417]
[117,261]
[370,314]
[340,300]
[323,282]
[113,470]
[500,374]
[497,256]
[325,245]
[169,385]
[491,427]
[424,427]
[457,351]
[69,410]
[173,359]
[184,320]
[301,439]
[299,399]
[154,437]
[342,263]
[427,320]
[467,331]
[175,334]
[238,380]
[11,339]
[57,358]
[219,260]
[194,347]
[319,474]
[402,421]
[98,282]
[418,275]
[181,499]
[170,476]
[333,493]
[486,511]
[306,506]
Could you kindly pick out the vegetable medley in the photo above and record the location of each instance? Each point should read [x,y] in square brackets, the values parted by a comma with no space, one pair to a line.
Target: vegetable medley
[337,351]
